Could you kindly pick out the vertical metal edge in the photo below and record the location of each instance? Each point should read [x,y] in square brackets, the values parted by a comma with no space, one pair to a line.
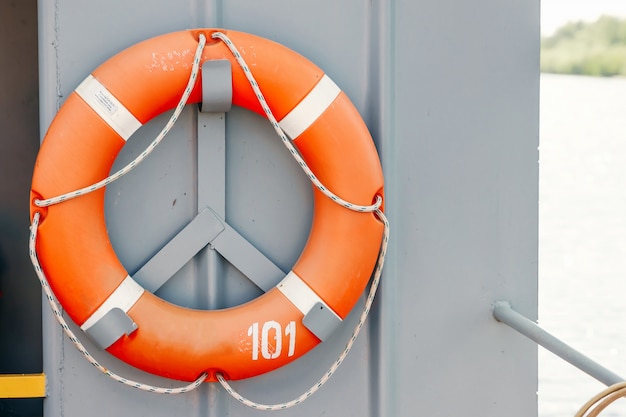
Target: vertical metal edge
[211,163]
[211,190]
[212,399]
[49,81]
[53,362]
[49,102]
[381,109]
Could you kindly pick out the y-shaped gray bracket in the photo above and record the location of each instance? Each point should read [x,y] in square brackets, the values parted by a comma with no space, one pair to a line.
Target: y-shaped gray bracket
[208,228]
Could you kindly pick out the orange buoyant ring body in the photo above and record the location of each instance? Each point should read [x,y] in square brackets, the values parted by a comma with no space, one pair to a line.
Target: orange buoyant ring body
[86,275]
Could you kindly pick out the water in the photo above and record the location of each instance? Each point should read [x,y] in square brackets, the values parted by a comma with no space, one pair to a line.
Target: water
[582,235]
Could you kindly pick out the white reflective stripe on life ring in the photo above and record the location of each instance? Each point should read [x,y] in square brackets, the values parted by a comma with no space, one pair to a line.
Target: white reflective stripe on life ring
[124,297]
[300,294]
[109,108]
[310,108]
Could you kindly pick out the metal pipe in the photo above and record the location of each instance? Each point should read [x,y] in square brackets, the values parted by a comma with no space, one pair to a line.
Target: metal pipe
[504,313]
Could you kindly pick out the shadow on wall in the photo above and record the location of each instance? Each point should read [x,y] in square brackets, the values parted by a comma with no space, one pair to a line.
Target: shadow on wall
[20,294]
[20,311]
[20,299]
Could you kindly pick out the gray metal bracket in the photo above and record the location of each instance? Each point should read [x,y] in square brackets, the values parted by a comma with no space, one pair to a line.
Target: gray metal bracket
[178,251]
[321,321]
[211,166]
[217,95]
[207,228]
[246,258]
[113,325]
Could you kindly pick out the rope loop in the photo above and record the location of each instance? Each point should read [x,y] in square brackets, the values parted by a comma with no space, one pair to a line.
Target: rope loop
[602,400]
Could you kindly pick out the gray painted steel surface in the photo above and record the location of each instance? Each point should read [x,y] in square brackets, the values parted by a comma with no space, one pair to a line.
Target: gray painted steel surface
[449,90]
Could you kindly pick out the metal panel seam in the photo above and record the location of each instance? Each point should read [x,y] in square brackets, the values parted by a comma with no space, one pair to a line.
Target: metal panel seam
[385,40]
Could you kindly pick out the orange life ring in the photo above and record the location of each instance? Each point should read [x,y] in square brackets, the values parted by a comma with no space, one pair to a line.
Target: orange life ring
[84,272]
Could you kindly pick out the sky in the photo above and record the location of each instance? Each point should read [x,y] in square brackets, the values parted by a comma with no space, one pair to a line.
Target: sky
[555,13]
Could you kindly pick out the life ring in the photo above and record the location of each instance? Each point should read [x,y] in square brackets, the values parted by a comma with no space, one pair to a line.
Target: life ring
[84,272]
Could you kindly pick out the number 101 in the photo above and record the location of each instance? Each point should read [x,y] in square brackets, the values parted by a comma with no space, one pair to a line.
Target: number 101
[274,328]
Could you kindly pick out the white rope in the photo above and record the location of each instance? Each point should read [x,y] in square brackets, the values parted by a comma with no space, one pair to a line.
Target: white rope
[295,154]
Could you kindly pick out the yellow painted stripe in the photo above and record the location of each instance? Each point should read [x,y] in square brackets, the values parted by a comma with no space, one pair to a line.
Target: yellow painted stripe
[23,386]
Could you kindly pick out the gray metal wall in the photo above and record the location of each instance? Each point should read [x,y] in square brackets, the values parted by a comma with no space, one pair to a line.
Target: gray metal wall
[449,90]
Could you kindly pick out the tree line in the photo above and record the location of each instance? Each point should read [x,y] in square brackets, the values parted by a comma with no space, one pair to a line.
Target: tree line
[597,49]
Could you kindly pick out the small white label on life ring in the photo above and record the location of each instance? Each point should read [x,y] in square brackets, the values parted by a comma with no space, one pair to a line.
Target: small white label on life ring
[109,108]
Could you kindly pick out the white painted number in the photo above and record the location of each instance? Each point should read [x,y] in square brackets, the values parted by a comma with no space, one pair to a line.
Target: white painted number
[254,332]
[265,343]
[291,331]
[271,345]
